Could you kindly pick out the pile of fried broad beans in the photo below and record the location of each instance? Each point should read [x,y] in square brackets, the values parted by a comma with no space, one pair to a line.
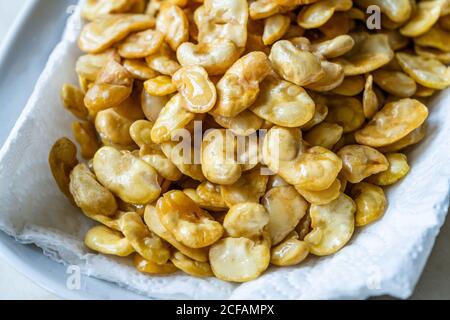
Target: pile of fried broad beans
[325,105]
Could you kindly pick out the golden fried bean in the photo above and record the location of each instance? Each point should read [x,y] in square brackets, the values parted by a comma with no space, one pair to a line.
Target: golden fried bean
[370,203]
[105,240]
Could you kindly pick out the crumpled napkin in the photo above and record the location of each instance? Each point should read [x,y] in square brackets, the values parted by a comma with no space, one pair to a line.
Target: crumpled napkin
[386,257]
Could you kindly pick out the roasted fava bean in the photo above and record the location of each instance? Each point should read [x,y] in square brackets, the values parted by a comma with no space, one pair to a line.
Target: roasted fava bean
[160,86]
[218,160]
[86,137]
[153,222]
[173,23]
[239,259]
[294,65]
[90,65]
[275,27]
[73,100]
[283,103]
[130,178]
[345,111]
[425,16]
[96,8]
[109,29]
[392,123]
[189,224]
[412,138]
[396,83]
[370,203]
[89,194]
[142,44]
[332,226]
[147,266]
[114,85]
[146,243]
[318,13]
[192,267]
[105,240]
[290,252]
[245,123]
[321,197]
[250,187]
[62,159]
[139,69]
[324,135]
[370,99]
[216,57]
[351,86]
[335,47]
[196,89]
[163,61]
[285,207]
[285,153]
[429,73]
[247,219]
[240,86]
[360,162]
[398,168]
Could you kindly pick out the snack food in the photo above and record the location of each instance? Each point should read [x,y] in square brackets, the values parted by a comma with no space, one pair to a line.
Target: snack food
[336,102]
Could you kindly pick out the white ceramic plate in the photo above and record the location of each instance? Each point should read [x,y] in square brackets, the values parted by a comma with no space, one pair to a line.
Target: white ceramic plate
[23,55]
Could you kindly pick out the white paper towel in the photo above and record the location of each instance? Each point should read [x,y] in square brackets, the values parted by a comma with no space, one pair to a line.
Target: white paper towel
[386,257]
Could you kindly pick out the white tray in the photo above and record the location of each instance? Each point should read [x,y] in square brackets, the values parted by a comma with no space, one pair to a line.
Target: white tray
[26,50]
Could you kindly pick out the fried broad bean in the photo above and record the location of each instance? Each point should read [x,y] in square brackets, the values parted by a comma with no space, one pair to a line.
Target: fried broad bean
[240,86]
[163,61]
[275,27]
[222,19]
[369,53]
[398,168]
[392,123]
[218,157]
[395,82]
[318,13]
[171,118]
[294,65]
[332,226]
[160,86]
[429,73]
[320,113]
[398,11]
[437,37]
[153,222]
[191,267]
[283,103]
[162,165]
[73,101]
[261,9]
[250,187]
[145,266]
[285,153]
[188,223]
[412,138]
[105,240]
[203,203]
[345,111]
[141,44]
[335,47]
[247,219]
[182,160]
[370,99]
[244,124]
[85,135]
[431,53]
[114,85]
[173,23]
[334,76]
[216,57]
[109,29]
[286,207]
[146,243]
[426,15]
[113,125]
[62,159]
[152,105]
[239,259]
[130,178]
[321,197]
[89,66]
[324,135]
[290,252]
[370,203]
[195,87]
[89,194]
[139,69]
[211,193]
[360,162]
[350,86]
[93,9]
